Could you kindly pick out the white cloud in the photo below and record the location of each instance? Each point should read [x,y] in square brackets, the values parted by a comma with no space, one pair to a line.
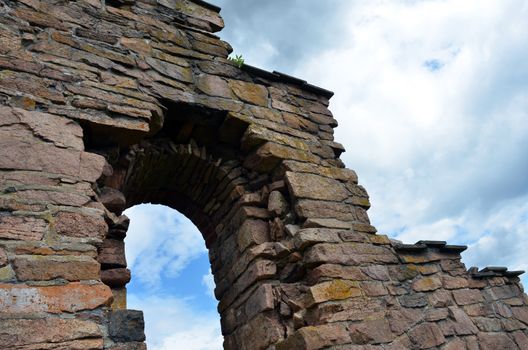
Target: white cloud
[503,239]
[209,283]
[441,230]
[173,324]
[276,35]
[160,241]
[432,101]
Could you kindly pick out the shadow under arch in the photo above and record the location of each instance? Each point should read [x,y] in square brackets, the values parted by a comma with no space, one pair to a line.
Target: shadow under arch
[185,178]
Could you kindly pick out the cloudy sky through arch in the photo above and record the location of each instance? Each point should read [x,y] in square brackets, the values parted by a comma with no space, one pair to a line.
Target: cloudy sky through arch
[432,101]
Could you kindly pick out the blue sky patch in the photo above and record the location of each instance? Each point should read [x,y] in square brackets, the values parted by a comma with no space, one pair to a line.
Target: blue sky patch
[187,285]
[433,65]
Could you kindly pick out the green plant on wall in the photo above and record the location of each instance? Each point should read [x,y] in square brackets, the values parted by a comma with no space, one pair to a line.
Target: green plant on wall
[238,60]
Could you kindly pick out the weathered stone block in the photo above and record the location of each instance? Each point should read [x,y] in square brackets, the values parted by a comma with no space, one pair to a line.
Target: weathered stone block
[33,155]
[7,274]
[23,228]
[493,341]
[374,289]
[113,200]
[42,268]
[259,333]
[261,300]
[277,204]
[433,315]
[120,298]
[521,339]
[183,74]
[502,292]
[333,290]
[269,155]
[79,224]
[467,296]
[310,236]
[257,135]
[312,338]
[112,253]
[331,172]
[312,186]
[249,92]
[426,335]
[72,297]
[463,323]
[428,269]
[521,314]
[307,208]
[258,270]
[61,131]
[402,320]
[115,277]
[426,284]
[3,257]
[488,324]
[40,332]
[456,344]
[371,332]
[348,254]
[214,86]
[377,272]
[413,300]
[427,256]
[252,232]
[360,237]
[55,196]
[454,282]
[441,298]
[126,326]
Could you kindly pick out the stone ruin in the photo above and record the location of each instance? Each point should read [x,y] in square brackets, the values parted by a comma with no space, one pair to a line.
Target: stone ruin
[105,105]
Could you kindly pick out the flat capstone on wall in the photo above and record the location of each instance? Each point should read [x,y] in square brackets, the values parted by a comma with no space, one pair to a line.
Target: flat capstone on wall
[108,104]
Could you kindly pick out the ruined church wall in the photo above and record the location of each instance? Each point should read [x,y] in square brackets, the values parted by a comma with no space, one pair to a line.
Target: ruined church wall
[107,105]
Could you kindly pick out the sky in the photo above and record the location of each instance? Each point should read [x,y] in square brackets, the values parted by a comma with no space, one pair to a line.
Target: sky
[431,97]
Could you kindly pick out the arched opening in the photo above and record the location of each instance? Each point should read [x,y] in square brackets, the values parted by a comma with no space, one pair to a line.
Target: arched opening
[194,165]
[171,280]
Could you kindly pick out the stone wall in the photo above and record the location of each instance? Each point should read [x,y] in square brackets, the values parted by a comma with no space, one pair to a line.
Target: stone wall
[107,105]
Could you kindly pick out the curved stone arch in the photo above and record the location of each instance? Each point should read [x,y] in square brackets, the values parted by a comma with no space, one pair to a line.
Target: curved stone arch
[241,211]
[185,178]
[95,95]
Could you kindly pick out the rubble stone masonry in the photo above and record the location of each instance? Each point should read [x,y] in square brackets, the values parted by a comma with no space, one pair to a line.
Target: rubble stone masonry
[105,105]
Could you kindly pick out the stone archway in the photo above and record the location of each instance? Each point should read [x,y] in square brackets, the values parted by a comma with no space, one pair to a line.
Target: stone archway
[106,105]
